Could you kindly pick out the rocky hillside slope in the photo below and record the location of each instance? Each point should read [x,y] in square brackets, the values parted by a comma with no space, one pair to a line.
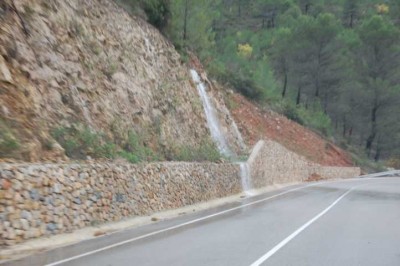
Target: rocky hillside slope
[84,78]
[256,123]
[82,66]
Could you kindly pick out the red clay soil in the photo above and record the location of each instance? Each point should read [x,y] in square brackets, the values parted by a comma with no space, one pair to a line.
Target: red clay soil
[256,124]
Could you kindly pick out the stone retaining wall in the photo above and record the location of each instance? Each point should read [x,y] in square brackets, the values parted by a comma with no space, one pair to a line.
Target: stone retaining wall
[39,200]
[271,163]
[43,199]
[329,172]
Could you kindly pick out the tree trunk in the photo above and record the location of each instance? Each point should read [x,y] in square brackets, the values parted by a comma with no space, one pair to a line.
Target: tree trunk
[373,132]
[307,8]
[344,126]
[378,151]
[351,19]
[284,85]
[185,20]
[361,144]
[298,96]
[350,134]
[317,88]
[326,103]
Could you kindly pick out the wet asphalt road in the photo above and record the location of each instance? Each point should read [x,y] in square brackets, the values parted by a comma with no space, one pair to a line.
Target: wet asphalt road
[347,222]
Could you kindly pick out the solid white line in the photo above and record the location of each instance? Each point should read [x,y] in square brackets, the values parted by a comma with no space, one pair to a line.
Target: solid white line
[195,221]
[177,226]
[298,231]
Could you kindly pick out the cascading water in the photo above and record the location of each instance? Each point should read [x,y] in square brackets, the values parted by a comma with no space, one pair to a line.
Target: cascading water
[238,135]
[245,177]
[218,136]
[212,120]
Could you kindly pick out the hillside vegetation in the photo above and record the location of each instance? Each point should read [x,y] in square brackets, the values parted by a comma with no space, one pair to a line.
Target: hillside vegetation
[332,66]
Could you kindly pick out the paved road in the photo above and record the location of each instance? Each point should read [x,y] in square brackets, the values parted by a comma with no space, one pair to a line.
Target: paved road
[351,222]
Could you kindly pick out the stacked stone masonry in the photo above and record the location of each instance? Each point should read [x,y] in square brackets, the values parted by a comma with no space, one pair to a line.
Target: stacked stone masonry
[45,199]
[271,163]
[41,200]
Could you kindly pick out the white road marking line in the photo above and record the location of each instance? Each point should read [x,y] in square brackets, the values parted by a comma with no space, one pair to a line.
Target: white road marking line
[193,221]
[298,231]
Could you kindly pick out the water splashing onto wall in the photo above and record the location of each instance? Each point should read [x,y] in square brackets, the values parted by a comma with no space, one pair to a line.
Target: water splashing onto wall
[246,178]
[212,120]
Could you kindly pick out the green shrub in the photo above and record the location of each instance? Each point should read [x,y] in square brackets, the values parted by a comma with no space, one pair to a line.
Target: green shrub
[8,144]
[157,11]
[207,151]
[292,112]
[107,150]
[217,70]
[361,160]
[317,120]
[129,156]
[244,85]
[80,142]
[312,117]
[110,69]
[76,28]
[230,102]
[135,151]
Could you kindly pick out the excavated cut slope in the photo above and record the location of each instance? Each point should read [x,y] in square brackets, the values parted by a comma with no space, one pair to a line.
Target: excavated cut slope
[88,62]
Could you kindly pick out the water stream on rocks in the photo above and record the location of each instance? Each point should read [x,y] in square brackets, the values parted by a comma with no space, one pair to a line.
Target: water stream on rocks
[217,134]
[246,178]
[239,136]
[212,119]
